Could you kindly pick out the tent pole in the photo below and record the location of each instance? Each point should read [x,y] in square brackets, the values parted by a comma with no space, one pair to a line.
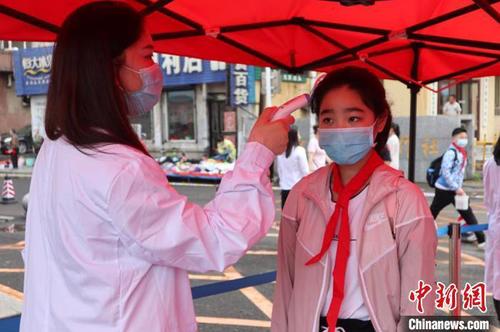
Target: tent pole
[413,111]
[413,133]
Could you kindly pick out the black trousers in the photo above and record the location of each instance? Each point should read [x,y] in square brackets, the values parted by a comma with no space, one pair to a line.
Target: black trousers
[14,157]
[349,325]
[497,309]
[284,196]
[444,198]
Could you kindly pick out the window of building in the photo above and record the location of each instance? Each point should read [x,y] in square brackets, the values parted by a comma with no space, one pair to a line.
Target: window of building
[142,125]
[10,45]
[466,93]
[446,89]
[181,115]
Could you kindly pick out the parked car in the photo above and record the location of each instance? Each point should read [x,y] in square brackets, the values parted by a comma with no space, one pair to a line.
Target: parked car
[25,141]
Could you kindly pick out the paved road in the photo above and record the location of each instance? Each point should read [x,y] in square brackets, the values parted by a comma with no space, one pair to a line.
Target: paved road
[248,309]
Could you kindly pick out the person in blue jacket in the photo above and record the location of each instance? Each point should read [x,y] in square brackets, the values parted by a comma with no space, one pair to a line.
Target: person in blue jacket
[451,178]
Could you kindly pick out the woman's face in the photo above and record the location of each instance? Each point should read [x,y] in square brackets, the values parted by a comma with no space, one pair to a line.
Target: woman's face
[137,56]
[343,108]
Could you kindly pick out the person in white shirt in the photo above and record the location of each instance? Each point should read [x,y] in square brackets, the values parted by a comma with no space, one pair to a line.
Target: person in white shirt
[109,242]
[491,181]
[317,156]
[452,107]
[393,145]
[291,165]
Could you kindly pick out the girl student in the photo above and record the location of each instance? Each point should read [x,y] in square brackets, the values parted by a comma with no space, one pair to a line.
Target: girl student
[355,237]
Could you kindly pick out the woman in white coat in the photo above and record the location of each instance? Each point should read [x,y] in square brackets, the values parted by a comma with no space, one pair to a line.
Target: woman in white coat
[108,240]
[491,178]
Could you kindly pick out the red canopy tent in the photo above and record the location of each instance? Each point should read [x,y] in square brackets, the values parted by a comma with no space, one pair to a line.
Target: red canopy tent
[414,41]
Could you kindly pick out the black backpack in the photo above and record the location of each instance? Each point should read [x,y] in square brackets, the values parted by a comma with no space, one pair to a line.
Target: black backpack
[434,169]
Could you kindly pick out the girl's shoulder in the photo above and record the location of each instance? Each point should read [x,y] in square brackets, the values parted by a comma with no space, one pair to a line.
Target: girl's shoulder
[300,149]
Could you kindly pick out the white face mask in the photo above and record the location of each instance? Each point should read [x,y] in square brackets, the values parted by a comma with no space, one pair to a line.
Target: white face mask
[142,101]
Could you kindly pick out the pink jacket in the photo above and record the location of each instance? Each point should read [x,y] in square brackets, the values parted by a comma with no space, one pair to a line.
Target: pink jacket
[491,178]
[109,242]
[390,266]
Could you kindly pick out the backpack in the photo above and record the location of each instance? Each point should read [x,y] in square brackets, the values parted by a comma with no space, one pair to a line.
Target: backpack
[434,169]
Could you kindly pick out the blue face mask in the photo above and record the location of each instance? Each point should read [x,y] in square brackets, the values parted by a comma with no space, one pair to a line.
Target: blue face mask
[462,142]
[346,146]
[142,101]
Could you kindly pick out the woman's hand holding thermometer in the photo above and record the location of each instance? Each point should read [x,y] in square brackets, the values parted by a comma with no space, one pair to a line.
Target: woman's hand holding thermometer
[272,126]
[290,106]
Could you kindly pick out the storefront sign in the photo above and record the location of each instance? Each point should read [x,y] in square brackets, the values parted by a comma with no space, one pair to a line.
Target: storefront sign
[32,70]
[179,70]
[242,85]
[286,77]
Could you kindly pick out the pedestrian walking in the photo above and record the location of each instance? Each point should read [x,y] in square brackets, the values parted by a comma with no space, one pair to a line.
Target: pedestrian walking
[451,179]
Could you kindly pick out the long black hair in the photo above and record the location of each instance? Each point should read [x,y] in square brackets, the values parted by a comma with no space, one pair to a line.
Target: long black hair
[496,152]
[85,103]
[293,140]
[369,88]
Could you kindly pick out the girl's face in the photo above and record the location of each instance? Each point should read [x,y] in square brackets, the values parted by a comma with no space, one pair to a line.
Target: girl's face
[137,56]
[343,108]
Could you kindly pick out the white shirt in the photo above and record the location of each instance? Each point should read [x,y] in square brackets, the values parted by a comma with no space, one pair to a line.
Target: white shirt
[393,146]
[452,109]
[318,159]
[491,180]
[109,241]
[293,168]
[353,305]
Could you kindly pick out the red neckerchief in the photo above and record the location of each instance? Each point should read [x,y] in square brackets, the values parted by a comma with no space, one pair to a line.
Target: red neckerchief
[462,151]
[345,193]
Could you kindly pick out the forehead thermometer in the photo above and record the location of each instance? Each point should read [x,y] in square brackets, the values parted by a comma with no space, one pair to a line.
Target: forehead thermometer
[290,106]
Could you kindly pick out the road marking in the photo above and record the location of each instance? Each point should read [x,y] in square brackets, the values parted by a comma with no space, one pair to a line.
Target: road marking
[233,321]
[448,218]
[11,270]
[445,261]
[472,259]
[262,252]
[272,235]
[11,292]
[15,246]
[187,184]
[478,206]
[207,277]
[256,297]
